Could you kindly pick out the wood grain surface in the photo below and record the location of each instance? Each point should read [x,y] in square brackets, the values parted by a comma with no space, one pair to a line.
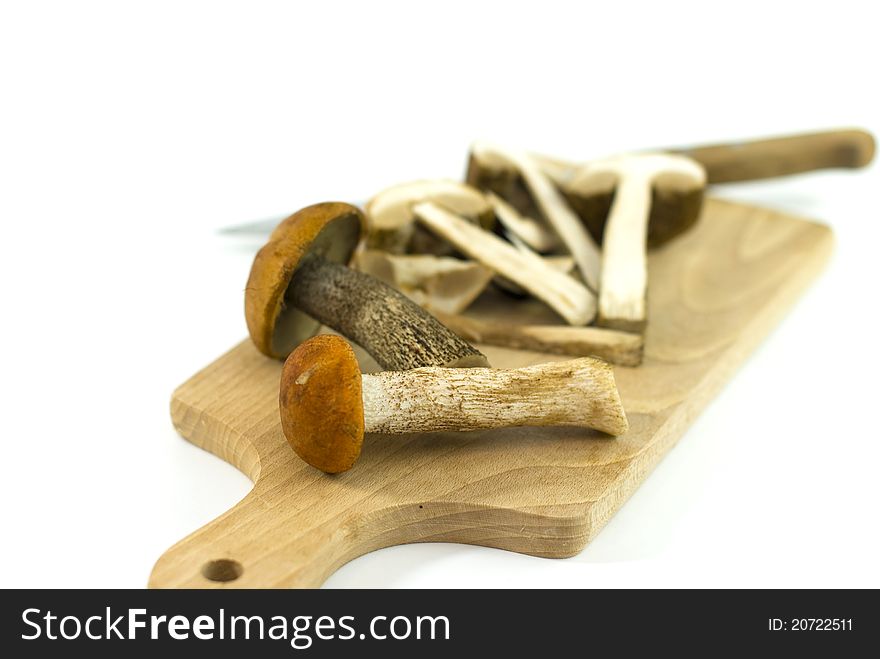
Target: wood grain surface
[713,295]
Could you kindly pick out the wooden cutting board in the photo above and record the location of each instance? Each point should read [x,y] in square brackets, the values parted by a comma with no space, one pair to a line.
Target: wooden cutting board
[714,293]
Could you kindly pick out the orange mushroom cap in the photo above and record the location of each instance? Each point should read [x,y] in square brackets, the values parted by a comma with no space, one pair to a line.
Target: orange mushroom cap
[321,403]
[332,230]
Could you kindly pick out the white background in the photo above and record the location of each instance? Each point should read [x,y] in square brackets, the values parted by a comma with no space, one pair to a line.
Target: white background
[131,132]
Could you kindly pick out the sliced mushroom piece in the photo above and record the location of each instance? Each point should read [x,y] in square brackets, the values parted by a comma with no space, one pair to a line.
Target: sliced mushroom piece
[623,348]
[531,232]
[673,210]
[635,179]
[298,282]
[565,295]
[391,225]
[327,405]
[489,172]
[551,206]
[436,283]
[671,214]
[486,171]
[563,263]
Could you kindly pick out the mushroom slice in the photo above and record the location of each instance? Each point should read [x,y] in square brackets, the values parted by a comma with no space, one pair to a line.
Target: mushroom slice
[562,262]
[634,179]
[391,224]
[437,283]
[531,232]
[552,207]
[556,169]
[623,348]
[673,210]
[565,295]
[671,214]
[487,171]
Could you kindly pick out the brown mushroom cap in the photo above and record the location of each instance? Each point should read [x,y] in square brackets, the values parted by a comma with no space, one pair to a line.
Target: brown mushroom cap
[332,230]
[321,403]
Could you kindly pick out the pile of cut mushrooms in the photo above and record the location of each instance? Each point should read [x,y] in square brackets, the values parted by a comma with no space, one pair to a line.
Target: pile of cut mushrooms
[573,237]
[399,277]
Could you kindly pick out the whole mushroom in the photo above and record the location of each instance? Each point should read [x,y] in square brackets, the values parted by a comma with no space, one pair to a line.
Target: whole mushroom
[327,405]
[299,281]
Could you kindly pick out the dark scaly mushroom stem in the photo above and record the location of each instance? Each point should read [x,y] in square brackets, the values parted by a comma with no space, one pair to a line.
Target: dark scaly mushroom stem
[398,333]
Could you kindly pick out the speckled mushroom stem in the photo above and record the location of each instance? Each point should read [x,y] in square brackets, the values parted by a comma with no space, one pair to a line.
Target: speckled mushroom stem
[398,333]
[578,392]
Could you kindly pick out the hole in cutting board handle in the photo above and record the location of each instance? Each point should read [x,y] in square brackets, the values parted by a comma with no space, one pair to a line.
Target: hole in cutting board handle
[222,569]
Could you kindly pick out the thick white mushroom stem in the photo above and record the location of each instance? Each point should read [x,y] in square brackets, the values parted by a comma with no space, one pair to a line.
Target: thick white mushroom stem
[564,294]
[553,207]
[578,392]
[624,275]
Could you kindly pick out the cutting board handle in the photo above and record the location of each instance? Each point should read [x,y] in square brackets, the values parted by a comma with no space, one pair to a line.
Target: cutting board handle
[782,156]
[247,547]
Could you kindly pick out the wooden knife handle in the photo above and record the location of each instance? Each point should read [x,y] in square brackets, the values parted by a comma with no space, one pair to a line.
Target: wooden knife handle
[782,156]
